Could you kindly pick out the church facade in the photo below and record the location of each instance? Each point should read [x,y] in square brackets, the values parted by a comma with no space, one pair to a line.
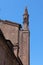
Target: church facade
[15,42]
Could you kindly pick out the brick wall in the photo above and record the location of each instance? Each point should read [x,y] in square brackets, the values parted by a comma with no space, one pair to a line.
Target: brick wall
[10,32]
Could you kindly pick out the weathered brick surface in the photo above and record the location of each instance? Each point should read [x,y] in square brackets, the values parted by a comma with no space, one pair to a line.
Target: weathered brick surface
[6,56]
[17,37]
[24,47]
[10,32]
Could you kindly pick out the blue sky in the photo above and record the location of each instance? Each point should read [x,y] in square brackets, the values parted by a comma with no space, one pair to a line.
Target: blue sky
[13,10]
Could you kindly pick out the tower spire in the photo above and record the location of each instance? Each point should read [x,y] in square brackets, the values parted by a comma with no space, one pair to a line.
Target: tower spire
[26,11]
[25,18]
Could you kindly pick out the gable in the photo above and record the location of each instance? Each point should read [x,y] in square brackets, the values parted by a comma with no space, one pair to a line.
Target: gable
[10,30]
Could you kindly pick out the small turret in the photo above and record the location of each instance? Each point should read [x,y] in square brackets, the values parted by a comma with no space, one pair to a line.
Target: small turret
[25,19]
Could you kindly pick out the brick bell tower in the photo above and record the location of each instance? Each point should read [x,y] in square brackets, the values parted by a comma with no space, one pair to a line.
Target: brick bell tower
[25,40]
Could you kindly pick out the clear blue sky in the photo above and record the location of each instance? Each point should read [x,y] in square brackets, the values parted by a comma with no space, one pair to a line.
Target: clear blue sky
[13,10]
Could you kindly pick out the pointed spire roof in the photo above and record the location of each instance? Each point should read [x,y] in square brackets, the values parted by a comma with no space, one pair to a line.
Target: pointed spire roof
[25,19]
[25,16]
[26,11]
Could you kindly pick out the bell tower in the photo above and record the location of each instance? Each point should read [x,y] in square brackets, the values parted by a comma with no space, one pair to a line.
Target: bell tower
[25,40]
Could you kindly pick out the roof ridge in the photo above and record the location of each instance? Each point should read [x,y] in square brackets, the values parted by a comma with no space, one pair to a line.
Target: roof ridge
[11,23]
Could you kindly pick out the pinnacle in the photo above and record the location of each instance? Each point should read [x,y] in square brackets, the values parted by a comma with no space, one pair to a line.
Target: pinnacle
[26,11]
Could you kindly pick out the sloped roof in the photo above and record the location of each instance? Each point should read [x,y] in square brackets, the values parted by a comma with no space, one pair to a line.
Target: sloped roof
[11,23]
